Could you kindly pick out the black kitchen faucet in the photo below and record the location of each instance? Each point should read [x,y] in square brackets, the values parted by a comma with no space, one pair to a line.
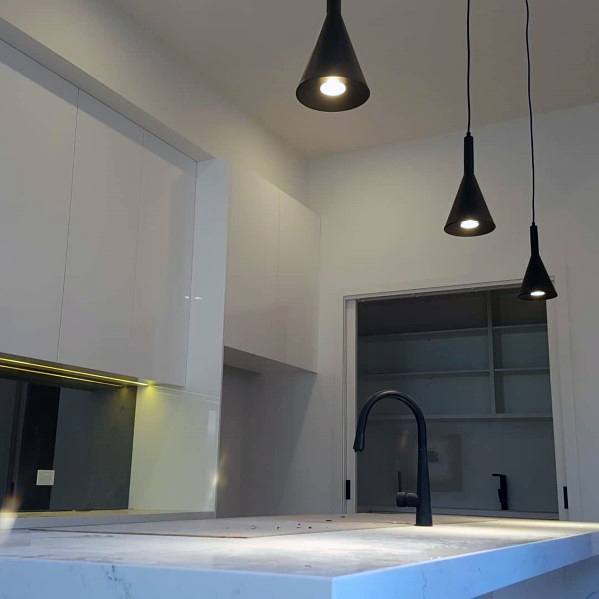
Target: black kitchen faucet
[421,500]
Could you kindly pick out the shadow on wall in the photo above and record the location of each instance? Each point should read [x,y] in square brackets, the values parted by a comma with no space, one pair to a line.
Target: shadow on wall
[262,418]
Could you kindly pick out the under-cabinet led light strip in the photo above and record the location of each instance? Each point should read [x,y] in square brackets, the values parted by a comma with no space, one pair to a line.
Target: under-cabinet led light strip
[66,373]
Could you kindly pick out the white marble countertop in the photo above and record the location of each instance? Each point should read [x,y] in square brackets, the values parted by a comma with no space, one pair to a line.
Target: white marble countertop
[305,557]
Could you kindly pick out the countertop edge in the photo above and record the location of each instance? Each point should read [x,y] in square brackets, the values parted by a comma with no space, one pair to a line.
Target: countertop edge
[461,576]
[471,574]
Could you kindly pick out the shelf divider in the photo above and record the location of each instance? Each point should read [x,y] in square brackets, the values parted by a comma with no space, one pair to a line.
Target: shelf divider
[439,332]
[523,370]
[491,350]
[423,374]
[531,325]
[464,417]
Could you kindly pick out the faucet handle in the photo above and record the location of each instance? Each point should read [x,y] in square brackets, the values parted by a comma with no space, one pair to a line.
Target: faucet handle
[404,499]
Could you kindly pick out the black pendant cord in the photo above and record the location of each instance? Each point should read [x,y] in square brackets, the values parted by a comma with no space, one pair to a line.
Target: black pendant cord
[536,284]
[532,140]
[468,61]
[333,6]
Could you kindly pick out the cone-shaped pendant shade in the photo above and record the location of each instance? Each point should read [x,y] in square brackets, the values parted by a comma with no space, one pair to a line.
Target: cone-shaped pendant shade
[536,284]
[469,214]
[333,80]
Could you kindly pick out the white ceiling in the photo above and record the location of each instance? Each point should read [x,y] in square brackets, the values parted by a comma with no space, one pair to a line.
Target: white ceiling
[412,53]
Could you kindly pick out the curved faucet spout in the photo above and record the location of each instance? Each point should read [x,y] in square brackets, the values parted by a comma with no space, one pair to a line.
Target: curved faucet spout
[422,500]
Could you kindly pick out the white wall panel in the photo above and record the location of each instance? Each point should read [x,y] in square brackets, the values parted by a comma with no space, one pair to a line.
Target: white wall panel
[206,320]
[297,281]
[175,451]
[252,323]
[97,318]
[272,274]
[163,269]
[37,125]
[175,447]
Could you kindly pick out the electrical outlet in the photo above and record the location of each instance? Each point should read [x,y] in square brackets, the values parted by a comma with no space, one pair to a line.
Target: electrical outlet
[45,478]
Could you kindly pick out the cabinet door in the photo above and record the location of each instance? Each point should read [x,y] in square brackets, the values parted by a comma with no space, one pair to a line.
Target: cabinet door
[297,281]
[37,125]
[164,257]
[97,316]
[252,317]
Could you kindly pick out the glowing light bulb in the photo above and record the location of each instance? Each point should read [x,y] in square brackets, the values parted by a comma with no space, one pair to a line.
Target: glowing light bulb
[469,224]
[537,293]
[333,86]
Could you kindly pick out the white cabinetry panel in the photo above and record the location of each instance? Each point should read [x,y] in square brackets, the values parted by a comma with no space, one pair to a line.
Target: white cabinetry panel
[252,321]
[97,318]
[206,317]
[164,256]
[272,274]
[37,124]
[297,281]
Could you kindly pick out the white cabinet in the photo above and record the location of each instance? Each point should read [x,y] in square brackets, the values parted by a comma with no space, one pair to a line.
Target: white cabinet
[37,131]
[252,320]
[164,257]
[297,281]
[96,231]
[272,274]
[128,275]
[97,315]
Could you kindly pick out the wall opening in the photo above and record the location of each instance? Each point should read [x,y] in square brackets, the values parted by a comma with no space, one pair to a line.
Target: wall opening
[477,362]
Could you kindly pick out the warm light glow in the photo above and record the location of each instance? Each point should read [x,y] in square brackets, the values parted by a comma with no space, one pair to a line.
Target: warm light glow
[57,375]
[66,373]
[469,223]
[537,293]
[333,86]
[8,514]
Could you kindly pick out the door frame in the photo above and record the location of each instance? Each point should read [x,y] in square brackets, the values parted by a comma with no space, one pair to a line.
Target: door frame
[562,397]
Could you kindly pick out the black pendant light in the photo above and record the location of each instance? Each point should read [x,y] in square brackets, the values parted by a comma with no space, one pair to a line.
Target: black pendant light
[536,285]
[469,214]
[333,80]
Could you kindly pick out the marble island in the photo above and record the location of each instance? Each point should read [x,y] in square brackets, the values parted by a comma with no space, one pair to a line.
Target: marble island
[306,557]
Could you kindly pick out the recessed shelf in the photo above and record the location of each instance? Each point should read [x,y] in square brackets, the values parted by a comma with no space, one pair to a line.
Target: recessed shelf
[526,370]
[423,374]
[453,511]
[462,417]
[520,327]
[436,333]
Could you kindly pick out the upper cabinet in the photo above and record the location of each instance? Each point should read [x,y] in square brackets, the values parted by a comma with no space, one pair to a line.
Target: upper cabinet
[251,316]
[97,229]
[99,289]
[37,124]
[164,261]
[272,274]
[297,281]
[128,271]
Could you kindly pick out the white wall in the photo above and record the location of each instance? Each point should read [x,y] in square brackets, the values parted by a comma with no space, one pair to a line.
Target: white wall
[236,402]
[261,467]
[175,447]
[116,60]
[383,212]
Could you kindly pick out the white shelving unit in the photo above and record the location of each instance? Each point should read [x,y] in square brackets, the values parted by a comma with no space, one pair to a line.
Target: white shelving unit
[478,365]
[512,349]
